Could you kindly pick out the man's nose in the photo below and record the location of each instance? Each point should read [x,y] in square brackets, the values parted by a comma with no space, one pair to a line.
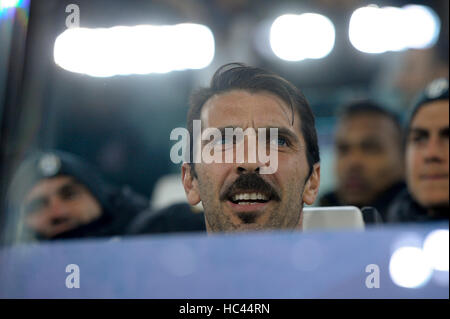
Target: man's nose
[58,207]
[355,159]
[251,162]
[248,168]
[433,150]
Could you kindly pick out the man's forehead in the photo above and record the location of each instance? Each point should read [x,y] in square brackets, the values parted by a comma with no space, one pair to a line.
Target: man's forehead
[239,107]
[435,115]
[365,122]
[365,125]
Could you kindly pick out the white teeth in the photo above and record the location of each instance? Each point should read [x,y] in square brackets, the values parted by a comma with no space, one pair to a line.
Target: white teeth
[249,196]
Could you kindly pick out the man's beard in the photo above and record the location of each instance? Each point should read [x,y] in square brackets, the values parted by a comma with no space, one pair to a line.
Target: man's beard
[255,183]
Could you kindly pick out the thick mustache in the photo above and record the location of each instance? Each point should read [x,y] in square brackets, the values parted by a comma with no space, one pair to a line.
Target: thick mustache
[252,182]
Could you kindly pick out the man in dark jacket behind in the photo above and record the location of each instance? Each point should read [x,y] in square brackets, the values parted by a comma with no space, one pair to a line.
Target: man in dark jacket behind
[369,158]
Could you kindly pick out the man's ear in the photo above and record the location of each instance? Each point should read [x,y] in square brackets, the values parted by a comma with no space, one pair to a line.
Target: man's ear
[312,186]
[190,184]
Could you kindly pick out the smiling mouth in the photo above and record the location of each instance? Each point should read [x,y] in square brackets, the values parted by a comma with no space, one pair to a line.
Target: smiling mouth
[249,205]
[250,194]
[249,198]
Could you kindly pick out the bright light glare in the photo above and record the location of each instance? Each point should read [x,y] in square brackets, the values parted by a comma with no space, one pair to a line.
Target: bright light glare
[435,248]
[4,4]
[423,26]
[378,30]
[392,29]
[304,36]
[409,267]
[141,49]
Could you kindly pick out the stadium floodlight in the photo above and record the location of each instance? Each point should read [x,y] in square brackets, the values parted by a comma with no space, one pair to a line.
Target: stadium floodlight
[304,36]
[141,49]
[378,30]
[423,26]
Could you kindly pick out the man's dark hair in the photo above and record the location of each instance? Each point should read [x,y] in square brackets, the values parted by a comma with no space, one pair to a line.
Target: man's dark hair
[437,90]
[237,76]
[370,107]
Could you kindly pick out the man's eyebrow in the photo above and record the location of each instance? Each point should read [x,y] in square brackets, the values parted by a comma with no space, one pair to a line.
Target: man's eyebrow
[68,184]
[341,142]
[418,130]
[371,139]
[288,133]
[71,183]
[444,130]
[281,131]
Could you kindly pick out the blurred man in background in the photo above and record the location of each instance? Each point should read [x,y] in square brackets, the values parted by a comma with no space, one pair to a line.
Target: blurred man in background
[427,159]
[369,160]
[236,196]
[57,195]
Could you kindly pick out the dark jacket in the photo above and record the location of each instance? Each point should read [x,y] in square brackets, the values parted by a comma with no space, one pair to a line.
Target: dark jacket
[175,218]
[381,203]
[123,206]
[405,209]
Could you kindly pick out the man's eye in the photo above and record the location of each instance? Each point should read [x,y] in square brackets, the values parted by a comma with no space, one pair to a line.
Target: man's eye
[223,141]
[69,193]
[418,138]
[371,148]
[280,141]
[342,149]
